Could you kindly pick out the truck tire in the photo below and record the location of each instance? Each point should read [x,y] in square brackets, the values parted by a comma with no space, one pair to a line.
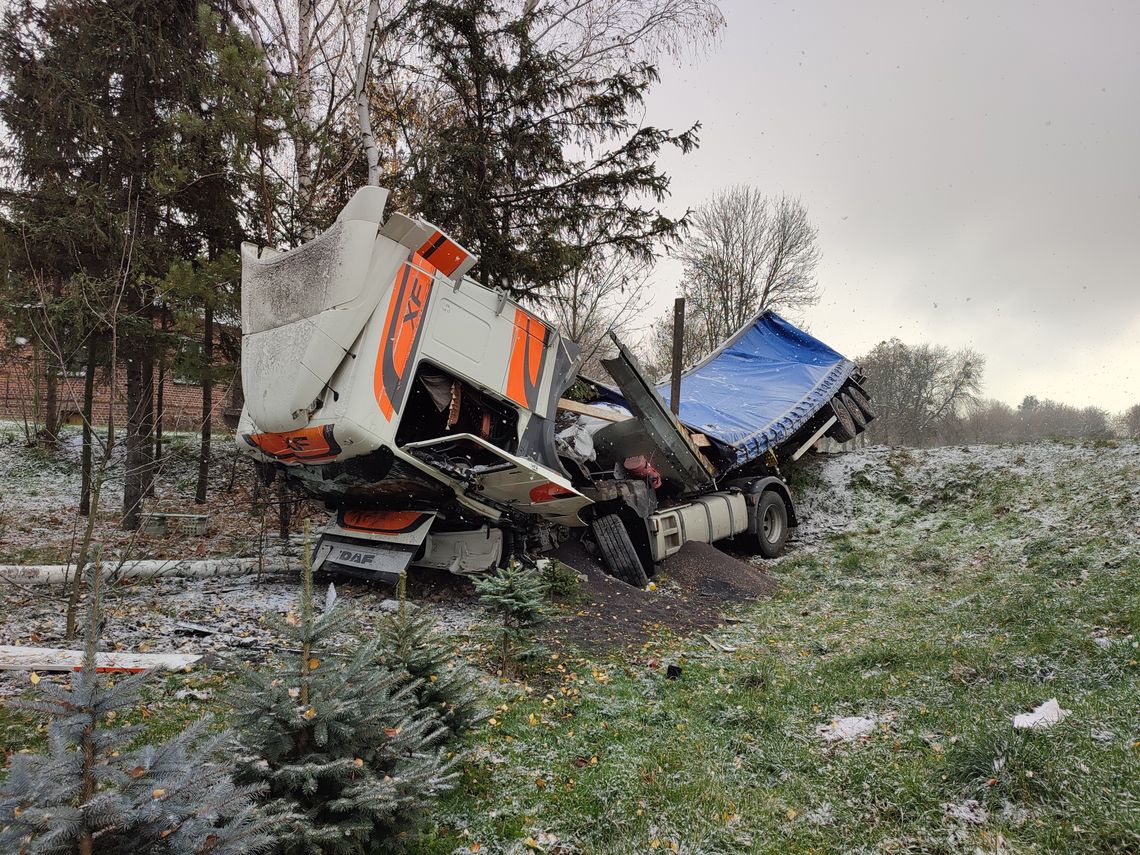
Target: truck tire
[844,428]
[618,552]
[863,402]
[856,413]
[771,527]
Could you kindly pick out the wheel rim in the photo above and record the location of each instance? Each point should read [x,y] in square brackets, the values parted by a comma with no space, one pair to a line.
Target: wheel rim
[772,526]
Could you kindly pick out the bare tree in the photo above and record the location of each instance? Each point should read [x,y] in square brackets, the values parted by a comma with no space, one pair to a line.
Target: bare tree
[594,34]
[1046,419]
[657,349]
[920,391]
[1131,421]
[310,45]
[746,252]
[607,291]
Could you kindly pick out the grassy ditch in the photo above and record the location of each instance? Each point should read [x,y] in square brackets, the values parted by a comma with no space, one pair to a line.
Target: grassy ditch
[973,594]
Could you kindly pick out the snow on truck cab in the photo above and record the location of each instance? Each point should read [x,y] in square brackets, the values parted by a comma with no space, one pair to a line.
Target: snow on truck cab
[428,413]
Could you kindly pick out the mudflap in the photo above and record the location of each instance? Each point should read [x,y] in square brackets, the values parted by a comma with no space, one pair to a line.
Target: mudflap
[374,545]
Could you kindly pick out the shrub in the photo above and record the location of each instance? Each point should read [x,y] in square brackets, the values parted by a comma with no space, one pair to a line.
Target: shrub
[339,742]
[409,642]
[515,594]
[93,793]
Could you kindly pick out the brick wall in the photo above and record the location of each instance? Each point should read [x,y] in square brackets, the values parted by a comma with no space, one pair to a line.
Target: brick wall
[22,392]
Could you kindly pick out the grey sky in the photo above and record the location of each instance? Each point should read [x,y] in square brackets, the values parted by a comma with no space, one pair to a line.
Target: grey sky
[973,169]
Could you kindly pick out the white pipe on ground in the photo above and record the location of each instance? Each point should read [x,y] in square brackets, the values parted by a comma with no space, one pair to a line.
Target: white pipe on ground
[149,568]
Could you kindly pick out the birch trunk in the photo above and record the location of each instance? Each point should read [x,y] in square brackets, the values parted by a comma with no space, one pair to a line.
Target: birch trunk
[367,137]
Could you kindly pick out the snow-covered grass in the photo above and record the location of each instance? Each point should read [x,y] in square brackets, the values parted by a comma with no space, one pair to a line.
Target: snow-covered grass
[936,593]
[39,499]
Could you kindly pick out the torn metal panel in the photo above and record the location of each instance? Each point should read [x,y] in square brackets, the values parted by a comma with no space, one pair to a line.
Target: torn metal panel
[661,427]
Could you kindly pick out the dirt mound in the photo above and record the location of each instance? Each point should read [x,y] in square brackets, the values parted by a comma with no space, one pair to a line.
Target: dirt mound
[692,586]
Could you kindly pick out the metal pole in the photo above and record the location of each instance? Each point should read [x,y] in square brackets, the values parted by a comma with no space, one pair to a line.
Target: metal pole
[678,343]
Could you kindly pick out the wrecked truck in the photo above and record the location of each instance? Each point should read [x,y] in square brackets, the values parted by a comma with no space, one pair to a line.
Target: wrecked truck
[444,424]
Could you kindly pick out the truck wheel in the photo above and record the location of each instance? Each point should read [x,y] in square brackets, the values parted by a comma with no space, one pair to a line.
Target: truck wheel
[856,413]
[617,550]
[863,403]
[771,526]
[844,428]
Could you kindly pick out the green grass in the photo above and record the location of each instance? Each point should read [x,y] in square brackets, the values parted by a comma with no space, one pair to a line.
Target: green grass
[971,594]
[958,613]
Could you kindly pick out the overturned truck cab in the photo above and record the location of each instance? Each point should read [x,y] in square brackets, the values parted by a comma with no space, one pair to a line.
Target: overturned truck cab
[428,413]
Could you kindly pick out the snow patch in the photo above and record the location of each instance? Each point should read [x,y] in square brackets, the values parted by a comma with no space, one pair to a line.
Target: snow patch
[1043,716]
[846,729]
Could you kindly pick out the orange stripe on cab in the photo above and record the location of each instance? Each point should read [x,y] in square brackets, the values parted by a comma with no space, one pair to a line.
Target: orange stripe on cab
[443,252]
[528,353]
[406,308]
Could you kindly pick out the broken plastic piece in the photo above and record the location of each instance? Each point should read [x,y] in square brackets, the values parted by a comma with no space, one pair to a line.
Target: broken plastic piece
[642,468]
[1043,716]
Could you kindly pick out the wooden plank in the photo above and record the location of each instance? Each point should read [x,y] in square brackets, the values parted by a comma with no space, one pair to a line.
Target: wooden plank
[13,658]
[700,440]
[814,439]
[590,410]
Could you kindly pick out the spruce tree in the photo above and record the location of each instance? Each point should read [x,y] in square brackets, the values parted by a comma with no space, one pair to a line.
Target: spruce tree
[530,151]
[93,793]
[515,594]
[338,741]
[409,642]
[130,125]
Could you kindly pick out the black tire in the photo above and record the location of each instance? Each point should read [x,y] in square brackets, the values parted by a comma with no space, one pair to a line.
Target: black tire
[856,413]
[618,552]
[844,428]
[863,402]
[771,527]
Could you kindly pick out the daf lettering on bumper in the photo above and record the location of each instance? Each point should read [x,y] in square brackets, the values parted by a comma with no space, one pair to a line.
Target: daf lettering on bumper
[360,559]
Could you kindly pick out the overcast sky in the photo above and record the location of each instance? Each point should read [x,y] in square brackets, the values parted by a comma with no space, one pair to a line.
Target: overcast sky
[973,170]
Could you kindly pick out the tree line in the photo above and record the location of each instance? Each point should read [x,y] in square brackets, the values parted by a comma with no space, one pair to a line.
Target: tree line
[928,395]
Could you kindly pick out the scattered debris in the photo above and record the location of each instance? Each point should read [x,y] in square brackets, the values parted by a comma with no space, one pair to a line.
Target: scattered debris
[846,729]
[185,627]
[716,645]
[55,659]
[1043,716]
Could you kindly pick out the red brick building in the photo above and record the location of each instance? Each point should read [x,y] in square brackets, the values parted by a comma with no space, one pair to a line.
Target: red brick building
[23,394]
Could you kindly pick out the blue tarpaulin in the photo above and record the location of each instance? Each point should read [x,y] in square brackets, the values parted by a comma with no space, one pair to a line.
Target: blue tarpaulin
[760,386]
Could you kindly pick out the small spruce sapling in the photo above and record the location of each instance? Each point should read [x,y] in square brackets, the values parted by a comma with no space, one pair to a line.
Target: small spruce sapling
[515,593]
[409,642]
[339,741]
[91,793]
[561,580]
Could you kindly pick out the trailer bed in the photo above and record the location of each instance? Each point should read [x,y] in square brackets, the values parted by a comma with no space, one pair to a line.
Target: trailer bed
[761,388]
